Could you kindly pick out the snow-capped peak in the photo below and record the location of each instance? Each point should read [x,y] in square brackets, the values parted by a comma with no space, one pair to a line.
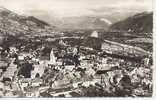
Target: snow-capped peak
[106,20]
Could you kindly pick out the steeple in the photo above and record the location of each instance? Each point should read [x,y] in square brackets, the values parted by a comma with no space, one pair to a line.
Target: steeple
[52,57]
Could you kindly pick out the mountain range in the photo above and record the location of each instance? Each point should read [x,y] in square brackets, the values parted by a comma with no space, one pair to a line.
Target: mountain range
[85,22]
[14,24]
[135,22]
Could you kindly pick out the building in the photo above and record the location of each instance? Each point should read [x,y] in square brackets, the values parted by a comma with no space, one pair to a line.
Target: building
[94,34]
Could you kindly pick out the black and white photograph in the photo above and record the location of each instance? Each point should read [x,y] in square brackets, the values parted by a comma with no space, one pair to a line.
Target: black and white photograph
[76,48]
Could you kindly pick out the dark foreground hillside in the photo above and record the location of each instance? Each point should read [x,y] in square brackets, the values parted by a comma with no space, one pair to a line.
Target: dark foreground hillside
[142,22]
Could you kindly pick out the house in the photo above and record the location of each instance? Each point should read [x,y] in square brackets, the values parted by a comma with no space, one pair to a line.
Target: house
[94,34]
[69,67]
[36,82]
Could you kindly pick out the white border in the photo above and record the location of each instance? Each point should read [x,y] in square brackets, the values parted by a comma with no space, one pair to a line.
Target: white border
[115,98]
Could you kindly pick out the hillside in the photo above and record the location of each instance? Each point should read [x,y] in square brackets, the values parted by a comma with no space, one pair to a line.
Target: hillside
[14,24]
[142,22]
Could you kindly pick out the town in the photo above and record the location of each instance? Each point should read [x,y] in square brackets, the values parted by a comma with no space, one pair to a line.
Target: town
[73,66]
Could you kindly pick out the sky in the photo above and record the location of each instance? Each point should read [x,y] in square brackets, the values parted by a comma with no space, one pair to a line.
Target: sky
[67,8]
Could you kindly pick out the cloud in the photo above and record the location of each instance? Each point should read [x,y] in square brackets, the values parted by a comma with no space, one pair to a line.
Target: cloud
[128,5]
[75,7]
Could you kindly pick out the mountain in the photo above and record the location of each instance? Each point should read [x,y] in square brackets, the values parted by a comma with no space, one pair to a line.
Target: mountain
[14,24]
[142,22]
[82,23]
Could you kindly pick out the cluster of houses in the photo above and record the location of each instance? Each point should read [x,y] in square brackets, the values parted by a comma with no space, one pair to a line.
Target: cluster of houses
[69,68]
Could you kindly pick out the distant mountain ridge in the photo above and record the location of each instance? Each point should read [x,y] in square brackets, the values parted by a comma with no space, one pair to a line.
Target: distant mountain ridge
[12,23]
[82,23]
[142,22]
